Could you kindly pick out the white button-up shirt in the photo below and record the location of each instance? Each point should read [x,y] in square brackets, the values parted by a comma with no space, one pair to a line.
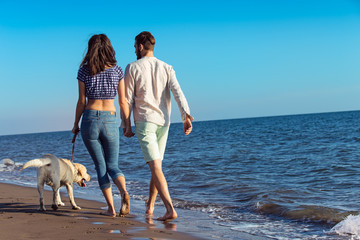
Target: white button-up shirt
[148,82]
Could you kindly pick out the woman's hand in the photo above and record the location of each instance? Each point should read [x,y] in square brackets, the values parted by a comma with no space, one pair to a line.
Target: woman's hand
[75,129]
[128,132]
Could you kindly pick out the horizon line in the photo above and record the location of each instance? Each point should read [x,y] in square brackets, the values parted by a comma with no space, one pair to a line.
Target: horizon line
[212,120]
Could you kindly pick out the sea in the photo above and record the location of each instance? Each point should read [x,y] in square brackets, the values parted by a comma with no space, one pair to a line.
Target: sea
[283,177]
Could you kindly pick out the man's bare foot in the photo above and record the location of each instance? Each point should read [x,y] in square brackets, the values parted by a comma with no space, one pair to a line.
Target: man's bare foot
[125,205]
[149,207]
[168,216]
[108,213]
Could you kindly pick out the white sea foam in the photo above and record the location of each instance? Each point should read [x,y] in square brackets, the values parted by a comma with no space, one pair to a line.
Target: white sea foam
[350,226]
[8,165]
[8,162]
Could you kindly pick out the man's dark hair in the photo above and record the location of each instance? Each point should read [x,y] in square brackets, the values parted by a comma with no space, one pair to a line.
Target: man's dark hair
[146,39]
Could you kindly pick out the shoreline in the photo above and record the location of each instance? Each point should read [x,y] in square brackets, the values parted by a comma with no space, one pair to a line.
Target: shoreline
[20,219]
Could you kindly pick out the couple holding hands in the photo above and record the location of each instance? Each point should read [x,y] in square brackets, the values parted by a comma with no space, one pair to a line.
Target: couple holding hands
[144,89]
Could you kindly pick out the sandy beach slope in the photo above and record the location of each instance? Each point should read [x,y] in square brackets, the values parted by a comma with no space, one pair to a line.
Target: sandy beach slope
[19,219]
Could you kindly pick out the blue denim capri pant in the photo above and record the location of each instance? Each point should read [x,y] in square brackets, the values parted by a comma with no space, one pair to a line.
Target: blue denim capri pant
[100,133]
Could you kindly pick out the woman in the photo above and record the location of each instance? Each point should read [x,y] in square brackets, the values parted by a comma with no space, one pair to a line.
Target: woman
[99,80]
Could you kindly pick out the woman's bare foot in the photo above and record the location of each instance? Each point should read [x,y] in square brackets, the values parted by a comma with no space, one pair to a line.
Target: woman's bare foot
[125,205]
[169,216]
[149,207]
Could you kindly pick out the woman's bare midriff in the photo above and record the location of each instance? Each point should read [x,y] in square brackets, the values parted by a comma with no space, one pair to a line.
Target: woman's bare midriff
[101,105]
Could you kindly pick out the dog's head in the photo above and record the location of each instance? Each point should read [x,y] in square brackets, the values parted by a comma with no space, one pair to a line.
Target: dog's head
[81,175]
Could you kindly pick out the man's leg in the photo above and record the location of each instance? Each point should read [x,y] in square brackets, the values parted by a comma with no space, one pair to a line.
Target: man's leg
[152,139]
[150,203]
[161,135]
[160,183]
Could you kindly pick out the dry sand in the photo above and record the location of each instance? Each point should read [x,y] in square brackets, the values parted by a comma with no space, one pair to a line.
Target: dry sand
[19,219]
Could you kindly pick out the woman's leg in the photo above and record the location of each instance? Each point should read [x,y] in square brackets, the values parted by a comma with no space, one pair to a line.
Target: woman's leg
[125,198]
[107,192]
[90,135]
[110,141]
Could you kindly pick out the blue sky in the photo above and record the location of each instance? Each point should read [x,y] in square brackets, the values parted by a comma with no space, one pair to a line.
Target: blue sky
[233,59]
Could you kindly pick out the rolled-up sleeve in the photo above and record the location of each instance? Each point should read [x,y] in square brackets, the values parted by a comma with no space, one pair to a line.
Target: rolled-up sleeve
[179,95]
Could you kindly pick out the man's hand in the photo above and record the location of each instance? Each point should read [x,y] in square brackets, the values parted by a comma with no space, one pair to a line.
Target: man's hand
[187,125]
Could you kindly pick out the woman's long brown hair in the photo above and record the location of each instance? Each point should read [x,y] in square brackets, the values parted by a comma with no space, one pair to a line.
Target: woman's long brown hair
[100,54]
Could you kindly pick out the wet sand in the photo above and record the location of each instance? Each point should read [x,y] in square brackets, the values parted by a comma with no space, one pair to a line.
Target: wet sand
[19,219]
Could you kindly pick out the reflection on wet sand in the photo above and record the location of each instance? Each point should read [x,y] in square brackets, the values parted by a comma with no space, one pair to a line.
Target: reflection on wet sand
[168,225]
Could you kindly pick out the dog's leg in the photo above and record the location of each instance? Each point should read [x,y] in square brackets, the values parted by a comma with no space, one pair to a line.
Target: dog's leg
[55,188]
[54,206]
[69,188]
[58,199]
[40,188]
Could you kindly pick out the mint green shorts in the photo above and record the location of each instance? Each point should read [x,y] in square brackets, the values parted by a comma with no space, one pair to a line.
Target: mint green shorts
[152,139]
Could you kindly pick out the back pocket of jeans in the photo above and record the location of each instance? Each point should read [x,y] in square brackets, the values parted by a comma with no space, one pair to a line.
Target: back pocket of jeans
[89,129]
[110,128]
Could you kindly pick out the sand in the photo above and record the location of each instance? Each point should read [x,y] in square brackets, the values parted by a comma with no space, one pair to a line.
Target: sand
[19,219]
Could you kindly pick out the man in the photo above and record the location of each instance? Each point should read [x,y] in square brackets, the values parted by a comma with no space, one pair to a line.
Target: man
[148,82]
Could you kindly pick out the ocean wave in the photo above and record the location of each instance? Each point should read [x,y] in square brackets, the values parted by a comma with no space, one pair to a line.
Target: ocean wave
[318,214]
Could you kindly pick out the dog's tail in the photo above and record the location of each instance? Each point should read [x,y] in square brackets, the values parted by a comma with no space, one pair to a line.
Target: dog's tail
[36,163]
